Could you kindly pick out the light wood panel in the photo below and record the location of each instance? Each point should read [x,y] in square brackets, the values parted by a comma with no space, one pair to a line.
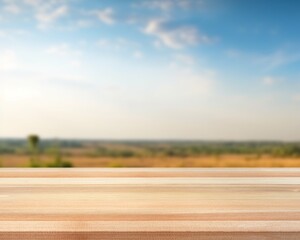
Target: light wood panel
[149,204]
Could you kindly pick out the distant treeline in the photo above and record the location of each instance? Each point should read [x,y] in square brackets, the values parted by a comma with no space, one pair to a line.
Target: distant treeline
[127,149]
[20,146]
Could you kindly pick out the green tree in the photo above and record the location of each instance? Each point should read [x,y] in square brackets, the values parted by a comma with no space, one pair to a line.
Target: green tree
[33,141]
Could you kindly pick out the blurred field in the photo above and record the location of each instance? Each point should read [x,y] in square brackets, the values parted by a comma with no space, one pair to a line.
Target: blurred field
[203,161]
[51,153]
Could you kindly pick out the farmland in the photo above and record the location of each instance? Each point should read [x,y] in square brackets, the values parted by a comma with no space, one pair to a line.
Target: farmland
[91,153]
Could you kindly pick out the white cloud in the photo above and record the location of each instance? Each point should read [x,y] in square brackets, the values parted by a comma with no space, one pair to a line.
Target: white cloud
[167,5]
[83,23]
[119,44]
[233,53]
[185,59]
[163,5]
[277,59]
[182,61]
[190,3]
[12,8]
[13,33]
[35,3]
[47,17]
[62,50]
[269,81]
[269,61]
[48,12]
[3,34]
[106,16]
[8,60]
[138,55]
[103,43]
[175,36]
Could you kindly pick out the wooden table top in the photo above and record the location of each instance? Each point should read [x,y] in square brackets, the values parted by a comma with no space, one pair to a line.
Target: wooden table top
[149,204]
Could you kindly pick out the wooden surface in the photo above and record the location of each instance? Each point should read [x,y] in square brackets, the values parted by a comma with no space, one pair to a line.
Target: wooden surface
[149,204]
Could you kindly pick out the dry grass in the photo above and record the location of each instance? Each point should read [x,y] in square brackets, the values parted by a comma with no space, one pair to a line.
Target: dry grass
[203,161]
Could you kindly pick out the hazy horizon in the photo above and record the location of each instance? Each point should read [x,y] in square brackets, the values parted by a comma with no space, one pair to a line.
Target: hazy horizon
[157,140]
[150,69]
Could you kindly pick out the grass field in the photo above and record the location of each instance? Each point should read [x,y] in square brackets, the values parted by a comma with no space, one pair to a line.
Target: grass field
[75,153]
[202,161]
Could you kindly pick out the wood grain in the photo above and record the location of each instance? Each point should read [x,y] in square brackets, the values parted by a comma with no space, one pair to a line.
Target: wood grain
[149,204]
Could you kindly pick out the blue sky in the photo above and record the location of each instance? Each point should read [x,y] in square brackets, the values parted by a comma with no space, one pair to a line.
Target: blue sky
[150,69]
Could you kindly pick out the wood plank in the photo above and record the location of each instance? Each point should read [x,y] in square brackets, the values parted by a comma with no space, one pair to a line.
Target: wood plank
[150,204]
